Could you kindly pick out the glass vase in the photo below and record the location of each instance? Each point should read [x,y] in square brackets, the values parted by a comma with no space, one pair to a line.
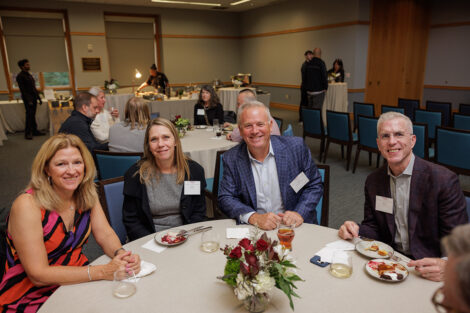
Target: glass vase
[257,303]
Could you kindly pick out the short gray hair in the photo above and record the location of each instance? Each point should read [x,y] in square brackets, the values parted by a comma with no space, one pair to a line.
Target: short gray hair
[95,90]
[393,115]
[249,105]
[457,244]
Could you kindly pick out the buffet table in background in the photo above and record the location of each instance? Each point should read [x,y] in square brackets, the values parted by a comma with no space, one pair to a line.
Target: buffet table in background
[12,115]
[336,99]
[185,281]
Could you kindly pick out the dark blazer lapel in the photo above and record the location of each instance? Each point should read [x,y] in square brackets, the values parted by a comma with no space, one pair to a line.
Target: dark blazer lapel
[390,218]
[417,186]
[282,170]
[244,168]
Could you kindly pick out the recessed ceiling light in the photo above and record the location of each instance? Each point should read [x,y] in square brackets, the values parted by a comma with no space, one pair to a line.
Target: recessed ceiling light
[239,2]
[193,3]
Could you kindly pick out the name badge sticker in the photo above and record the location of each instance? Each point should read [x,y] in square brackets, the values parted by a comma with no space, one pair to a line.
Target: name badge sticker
[384,204]
[192,188]
[200,112]
[299,182]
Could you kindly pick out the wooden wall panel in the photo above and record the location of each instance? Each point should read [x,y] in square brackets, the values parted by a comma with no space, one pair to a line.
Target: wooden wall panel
[397,51]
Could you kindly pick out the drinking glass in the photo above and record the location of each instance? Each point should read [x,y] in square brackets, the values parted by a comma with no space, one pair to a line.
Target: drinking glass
[215,123]
[341,264]
[286,234]
[124,284]
[210,241]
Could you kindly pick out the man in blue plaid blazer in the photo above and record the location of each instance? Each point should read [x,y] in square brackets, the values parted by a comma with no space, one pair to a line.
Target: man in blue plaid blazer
[268,179]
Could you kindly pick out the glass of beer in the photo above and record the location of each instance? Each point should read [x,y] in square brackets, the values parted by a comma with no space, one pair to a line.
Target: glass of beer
[286,234]
[341,264]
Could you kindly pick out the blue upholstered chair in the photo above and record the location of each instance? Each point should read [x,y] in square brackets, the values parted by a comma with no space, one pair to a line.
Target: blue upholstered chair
[388,108]
[430,118]
[421,148]
[288,132]
[212,184]
[453,149]
[313,127]
[467,199]
[359,108]
[462,121]
[464,108]
[279,122]
[322,208]
[339,131]
[410,105]
[367,133]
[114,164]
[154,115]
[444,107]
[112,198]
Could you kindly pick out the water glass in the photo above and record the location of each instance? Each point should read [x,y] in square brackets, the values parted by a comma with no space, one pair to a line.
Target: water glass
[210,241]
[215,123]
[341,264]
[125,283]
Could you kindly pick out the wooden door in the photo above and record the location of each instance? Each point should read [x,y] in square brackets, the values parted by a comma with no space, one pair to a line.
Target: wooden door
[398,38]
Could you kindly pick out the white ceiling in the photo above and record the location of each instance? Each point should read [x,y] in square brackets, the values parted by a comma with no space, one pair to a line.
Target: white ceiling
[225,4]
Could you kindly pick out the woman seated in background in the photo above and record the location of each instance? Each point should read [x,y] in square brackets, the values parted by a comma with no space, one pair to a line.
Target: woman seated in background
[208,107]
[336,74]
[49,224]
[128,135]
[103,120]
[165,189]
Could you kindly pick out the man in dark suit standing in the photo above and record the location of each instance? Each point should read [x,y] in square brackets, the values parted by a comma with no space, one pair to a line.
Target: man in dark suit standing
[268,179]
[303,92]
[30,97]
[411,203]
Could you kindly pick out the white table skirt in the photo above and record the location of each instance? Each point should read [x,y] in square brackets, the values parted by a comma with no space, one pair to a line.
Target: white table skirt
[13,115]
[185,281]
[199,147]
[336,99]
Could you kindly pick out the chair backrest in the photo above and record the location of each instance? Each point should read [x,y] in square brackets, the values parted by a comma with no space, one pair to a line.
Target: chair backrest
[430,118]
[288,132]
[3,252]
[112,198]
[279,122]
[218,173]
[421,148]
[65,104]
[462,121]
[409,105]
[464,108]
[338,125]
[312,122]
[444,107]
[154,115]
[467,199]
[389,108]
[359,108]
[114,164]
[367,131]
[453,149]
[322,208]
[55,103]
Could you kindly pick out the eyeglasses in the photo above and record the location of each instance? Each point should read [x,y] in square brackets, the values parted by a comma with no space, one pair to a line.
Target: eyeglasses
[397,135]
[437,299]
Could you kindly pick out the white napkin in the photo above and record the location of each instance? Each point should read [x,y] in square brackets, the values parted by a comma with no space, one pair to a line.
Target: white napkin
[146,268]
[326,254]
[341,245]
[237,233]
[152,245]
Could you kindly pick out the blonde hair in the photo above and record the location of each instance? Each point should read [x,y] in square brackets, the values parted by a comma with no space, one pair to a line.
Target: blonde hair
[137,113]
[148,166]
[85,195]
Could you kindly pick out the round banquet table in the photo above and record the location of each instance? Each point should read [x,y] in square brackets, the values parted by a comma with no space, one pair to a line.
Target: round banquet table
[336,99]
[199,146]
[185,281]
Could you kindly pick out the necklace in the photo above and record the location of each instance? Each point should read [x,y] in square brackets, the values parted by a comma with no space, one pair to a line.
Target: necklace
[71,208]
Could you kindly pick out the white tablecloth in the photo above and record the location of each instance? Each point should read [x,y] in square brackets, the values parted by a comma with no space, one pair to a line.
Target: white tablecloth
[336,98]
[13,115]
[228,98]
[185,281]
[198,145]
[3,132]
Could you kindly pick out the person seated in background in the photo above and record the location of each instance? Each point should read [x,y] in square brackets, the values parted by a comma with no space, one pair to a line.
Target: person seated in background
[49,224]
[157,80]
[103,120]
[268,179]
[208,107]
[78,123]
[129,135]
[411,203]
[454,296]
[336,73]
[246,95]
[165,189]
